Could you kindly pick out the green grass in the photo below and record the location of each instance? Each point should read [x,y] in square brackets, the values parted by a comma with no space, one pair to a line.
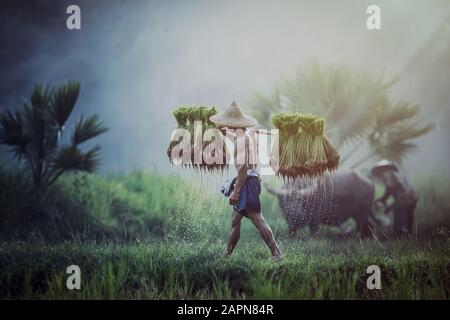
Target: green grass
[315,269]
[433,207]
[143,206]
[145,235]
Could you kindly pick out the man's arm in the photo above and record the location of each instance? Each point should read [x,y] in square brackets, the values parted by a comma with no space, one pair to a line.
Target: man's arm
[240,180]
[241,166]
[241,177]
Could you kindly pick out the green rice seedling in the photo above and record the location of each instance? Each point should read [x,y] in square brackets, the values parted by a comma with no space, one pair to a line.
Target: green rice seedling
[186,117]
[304,148]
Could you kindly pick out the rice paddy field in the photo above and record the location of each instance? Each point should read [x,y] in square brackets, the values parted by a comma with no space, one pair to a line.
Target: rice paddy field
[151,236]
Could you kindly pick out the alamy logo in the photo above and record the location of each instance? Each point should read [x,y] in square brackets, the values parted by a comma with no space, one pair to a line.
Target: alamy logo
[374,19]
[228,146]
[73,21]
[74,280]
[374,280]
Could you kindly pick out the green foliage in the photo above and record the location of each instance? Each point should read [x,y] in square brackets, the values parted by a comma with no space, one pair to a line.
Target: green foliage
[72,158]
[143,206]
[393,130]
[335,93]
[124,208]
[304,149]
[87,129]
[144,236]
[433,207]
[358,108]
[15,203]
[33,134]
[186,117]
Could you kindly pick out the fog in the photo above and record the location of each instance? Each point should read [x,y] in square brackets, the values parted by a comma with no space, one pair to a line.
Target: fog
[138,60]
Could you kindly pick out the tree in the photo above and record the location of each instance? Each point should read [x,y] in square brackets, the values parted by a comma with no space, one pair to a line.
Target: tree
[33,134]
[357,106]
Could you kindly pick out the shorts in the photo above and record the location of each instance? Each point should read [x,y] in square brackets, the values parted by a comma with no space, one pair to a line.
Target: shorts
[249,196]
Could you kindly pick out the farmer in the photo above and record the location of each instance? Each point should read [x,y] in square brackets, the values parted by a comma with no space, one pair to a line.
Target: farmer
[405,198]
[244,190]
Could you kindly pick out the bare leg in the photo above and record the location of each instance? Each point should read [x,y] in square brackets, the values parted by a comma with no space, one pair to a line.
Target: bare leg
[235,232]
[265,231]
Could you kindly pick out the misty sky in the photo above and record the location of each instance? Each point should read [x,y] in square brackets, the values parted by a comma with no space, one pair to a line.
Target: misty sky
[138,60]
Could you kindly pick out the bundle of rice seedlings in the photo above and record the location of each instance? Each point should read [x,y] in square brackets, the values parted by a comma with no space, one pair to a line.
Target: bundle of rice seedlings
[186,117]
[304,149]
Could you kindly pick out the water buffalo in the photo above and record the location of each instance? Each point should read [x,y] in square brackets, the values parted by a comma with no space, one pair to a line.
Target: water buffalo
[330,200]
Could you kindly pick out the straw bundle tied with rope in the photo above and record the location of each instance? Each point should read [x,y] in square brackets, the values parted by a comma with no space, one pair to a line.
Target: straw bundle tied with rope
[304,149]
[187,117]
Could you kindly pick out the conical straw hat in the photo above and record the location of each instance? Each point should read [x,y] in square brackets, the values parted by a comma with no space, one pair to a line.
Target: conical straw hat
[382,165]
[233,117]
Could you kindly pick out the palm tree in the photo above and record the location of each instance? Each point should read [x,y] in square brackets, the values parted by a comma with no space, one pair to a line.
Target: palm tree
[393,129]
[33,134]
[357,107]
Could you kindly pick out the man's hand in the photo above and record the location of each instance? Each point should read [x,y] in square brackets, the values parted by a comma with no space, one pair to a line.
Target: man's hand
[234,197]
